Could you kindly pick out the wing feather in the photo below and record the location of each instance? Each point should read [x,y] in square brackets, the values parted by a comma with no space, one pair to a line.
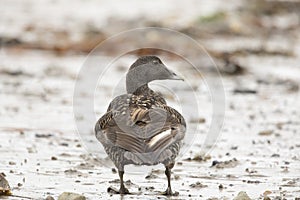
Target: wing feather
[139,129]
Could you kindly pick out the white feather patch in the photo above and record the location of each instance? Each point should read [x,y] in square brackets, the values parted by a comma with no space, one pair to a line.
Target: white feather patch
[158,137]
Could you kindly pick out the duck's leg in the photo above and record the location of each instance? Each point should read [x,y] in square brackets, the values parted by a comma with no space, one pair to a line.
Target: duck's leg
[168,191]
[123,189]
[168,174]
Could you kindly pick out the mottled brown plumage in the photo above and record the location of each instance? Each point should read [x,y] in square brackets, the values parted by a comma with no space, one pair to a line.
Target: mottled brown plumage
[139,127]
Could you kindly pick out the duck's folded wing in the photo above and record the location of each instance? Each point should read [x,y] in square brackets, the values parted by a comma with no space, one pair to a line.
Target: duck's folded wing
[111,130]
[157,127]
[162,135]
[142,130]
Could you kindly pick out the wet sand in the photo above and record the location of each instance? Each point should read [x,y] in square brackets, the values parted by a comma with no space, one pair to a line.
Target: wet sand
[257,150]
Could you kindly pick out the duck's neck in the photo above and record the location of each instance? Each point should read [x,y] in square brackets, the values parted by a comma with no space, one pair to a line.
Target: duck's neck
[131,89]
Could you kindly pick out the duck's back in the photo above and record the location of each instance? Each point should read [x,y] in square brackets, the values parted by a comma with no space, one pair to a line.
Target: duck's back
[141,126]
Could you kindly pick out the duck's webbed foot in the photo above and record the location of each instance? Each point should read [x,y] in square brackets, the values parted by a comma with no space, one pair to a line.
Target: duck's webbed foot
[122,190]
[169,192]
[113,190]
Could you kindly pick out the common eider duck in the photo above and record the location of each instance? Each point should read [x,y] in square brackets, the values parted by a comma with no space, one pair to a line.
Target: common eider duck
[139,127]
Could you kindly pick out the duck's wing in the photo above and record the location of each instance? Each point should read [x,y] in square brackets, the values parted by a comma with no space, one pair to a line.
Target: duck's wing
[164,129]
[114,128]
[139,129]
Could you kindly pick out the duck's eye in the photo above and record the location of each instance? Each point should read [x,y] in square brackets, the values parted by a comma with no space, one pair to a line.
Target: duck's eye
[155,62]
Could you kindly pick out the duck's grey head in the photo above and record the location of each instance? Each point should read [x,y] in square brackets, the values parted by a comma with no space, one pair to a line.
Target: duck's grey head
[147,69]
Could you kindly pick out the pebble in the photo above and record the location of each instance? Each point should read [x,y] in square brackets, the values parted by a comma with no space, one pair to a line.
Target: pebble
[198,185]
[12,163]
[266,132]
[275,155]
[53,158]
[225,164]
[4,186]
[71,196]
[267,192]
[242,196]
[221,187]
[49,198]
[151,176]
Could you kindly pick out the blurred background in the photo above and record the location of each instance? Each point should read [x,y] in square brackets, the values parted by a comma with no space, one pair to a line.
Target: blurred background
[255,44]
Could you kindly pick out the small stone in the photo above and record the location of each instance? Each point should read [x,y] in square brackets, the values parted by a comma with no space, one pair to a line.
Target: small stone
[242,196]
[71,171]
[225,164]
[234,148]
[150,188]
[4,186]
[221,187]
[151,176]
[215,162]
[11,163]
[71,196]
[253,182]
[275,155]
[201,158]
[265,132]
[53,158]
[114,170]
[279,125]
[197,185]
[267,192]
[49,198]
[37,135]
